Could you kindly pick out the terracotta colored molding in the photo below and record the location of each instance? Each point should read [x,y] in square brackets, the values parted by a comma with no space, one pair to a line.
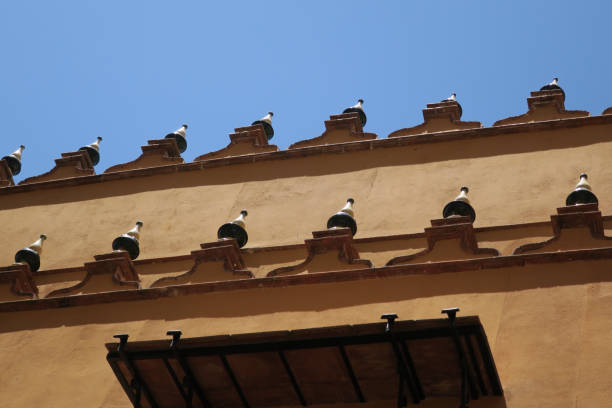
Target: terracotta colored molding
[312,279]
[338,129]
[583,215]
[6,176]
[544,105]
[117,264]
[70,165]
[339,239]
[225,250]
[20,278]
[158,152]
[449,228]
[607,111]
[245,140]
[339,148]
[441,116]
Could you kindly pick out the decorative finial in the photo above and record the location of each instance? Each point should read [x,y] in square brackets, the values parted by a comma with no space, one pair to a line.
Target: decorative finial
[553,86]
[582,194]
[358,108]
[345,218]
[266,122]
[453,98]
[130,241]
[31,254]
[180,136]
[93,150]
[235,229]
[460,206]
[14,160]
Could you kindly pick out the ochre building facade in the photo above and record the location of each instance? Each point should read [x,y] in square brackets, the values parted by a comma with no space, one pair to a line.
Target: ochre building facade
[293,318]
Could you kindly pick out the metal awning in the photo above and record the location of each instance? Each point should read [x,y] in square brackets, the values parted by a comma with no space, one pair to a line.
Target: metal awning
[403,361]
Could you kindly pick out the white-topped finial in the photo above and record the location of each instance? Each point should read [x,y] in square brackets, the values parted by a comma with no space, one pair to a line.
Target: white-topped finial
[36,246]
[463,195]
[17,153]
[181,130]
[555,81]
[452,98]
[348,208]
[268,118]
[583,183]
[240,220]
[96,144]
[135,232]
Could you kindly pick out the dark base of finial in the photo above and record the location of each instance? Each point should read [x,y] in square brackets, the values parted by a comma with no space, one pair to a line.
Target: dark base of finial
[30,257]
[553,88]
[14,164]
[181,142]
[94,155]
[127,243]
[459,208]
[342,220]
[235,231]
[581,196]
[362,116]
[267,128]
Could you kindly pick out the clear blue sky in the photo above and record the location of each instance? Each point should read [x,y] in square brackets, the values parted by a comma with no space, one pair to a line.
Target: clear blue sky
[131,71]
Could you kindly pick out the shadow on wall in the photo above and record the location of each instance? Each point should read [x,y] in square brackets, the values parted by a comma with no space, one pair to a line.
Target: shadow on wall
[319,297]
[320,165]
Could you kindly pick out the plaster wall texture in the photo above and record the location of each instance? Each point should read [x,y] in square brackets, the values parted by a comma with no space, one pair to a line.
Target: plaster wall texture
[513,178]
[547,325]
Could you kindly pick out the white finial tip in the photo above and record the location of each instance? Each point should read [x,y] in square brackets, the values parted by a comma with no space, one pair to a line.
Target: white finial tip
[22,147]
[139,223]
[43,236]
[244,212]
[360,101]
[185,126]
[99,138]
[464,188]
[584,175]
[350,200]
[271,113]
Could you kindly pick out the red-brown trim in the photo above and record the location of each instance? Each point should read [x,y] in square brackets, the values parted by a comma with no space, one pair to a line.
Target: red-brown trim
[313,278]
[436,137]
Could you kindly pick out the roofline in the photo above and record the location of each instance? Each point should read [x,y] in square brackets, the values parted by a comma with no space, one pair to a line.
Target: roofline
[425,138]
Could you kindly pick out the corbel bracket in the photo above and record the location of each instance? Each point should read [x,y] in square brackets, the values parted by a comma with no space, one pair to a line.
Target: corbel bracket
[6,177]
[20,278]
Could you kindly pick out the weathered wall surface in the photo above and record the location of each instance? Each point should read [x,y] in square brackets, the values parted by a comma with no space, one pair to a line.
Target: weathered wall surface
[548,327]
[513,178]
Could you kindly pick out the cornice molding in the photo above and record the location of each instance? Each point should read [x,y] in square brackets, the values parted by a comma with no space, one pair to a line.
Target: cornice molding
[429,268]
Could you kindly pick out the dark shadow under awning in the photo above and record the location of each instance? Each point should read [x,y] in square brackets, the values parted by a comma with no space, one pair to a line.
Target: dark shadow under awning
[342,364]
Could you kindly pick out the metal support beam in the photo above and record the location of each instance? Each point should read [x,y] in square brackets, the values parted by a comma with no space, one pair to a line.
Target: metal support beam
[351,374]
[294,383]
[179,385]
[465,391]
[470,347]
[189,381]
[137,386]
[232,377]
[410,378]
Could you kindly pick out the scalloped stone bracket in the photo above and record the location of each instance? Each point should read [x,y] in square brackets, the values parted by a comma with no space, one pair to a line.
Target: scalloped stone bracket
[460,228]
[20,279]
[333,239]
[438,117]
[117,264]
[71,164]
[157,152]
[6,177]
[574,216]
[341,128]
[244,140]
[225,250]
[544,105]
